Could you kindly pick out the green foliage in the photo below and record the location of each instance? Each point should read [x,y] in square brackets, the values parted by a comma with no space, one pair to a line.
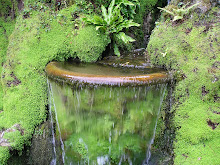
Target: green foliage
[86,6]
[128,8]
[193,51]
[8,8]
[178,14]
[112,23]
[5,6]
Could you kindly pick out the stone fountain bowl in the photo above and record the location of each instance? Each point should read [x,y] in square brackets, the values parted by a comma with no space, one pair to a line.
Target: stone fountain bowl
[99,74]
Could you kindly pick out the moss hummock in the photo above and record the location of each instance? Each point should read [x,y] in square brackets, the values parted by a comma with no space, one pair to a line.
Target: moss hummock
[190,47]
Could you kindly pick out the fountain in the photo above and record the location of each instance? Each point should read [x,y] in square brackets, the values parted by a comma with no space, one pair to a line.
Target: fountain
[104,114]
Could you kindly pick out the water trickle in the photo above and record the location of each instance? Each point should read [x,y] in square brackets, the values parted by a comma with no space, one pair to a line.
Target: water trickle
[52,104]
[53,162]
[148,154]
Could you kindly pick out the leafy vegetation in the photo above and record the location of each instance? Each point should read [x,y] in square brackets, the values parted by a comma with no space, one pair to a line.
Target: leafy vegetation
[112,23]
[178,14]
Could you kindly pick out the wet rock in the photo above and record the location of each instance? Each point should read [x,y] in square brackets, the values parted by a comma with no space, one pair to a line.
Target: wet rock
[40,151]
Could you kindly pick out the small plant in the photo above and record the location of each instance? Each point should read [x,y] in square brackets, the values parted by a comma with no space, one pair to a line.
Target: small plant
[128,8]
[112,23]
[179,13]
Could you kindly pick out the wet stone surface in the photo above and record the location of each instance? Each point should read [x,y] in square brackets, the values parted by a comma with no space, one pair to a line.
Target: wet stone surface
[129,70]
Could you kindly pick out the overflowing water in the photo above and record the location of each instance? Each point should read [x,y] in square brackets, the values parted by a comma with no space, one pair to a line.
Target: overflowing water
[52,104]
[53,162]
[105,125]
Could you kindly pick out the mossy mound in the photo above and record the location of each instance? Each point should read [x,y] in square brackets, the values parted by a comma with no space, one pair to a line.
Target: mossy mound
[89,44]
[38,38]
[6,28]
[190,47]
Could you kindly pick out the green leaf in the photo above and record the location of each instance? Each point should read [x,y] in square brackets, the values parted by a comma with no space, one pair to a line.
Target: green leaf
[169,12]
[126,24]
[177,18]
[110,8]
[125,38]
[104,13]
[98,20]
[88,20]
[116,50]
[100,27]
[126,2]
[190,7]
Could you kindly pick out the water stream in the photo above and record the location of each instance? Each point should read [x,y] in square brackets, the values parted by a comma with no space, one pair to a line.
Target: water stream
[105,125]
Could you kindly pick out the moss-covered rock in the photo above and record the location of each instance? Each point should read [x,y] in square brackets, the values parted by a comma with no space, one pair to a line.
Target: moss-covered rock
[89,44]
[191,48]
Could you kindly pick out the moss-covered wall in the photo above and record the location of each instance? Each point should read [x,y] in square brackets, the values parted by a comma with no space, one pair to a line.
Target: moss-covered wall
[191,47]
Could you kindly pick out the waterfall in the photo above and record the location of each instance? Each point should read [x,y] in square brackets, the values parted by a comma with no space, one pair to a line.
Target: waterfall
[108,117]
[148,154]
[52,104]
[53,162]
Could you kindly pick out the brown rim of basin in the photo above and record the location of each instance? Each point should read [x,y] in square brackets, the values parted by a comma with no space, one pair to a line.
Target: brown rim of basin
[56,72]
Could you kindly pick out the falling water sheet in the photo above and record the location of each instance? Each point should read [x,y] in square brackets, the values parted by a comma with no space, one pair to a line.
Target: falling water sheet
[106,125]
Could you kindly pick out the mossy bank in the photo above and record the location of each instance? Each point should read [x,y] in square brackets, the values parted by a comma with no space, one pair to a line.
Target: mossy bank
[41,32]
[190,47]
[36,40]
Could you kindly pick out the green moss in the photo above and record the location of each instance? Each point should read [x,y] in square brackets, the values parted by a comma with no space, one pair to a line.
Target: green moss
[6,28]
[35,41]
[14,138]
[4,155]
[89,44]
[145,6]
[191,48]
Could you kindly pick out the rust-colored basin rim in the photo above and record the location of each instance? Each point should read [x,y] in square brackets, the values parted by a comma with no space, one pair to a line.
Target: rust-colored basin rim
[54,71]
